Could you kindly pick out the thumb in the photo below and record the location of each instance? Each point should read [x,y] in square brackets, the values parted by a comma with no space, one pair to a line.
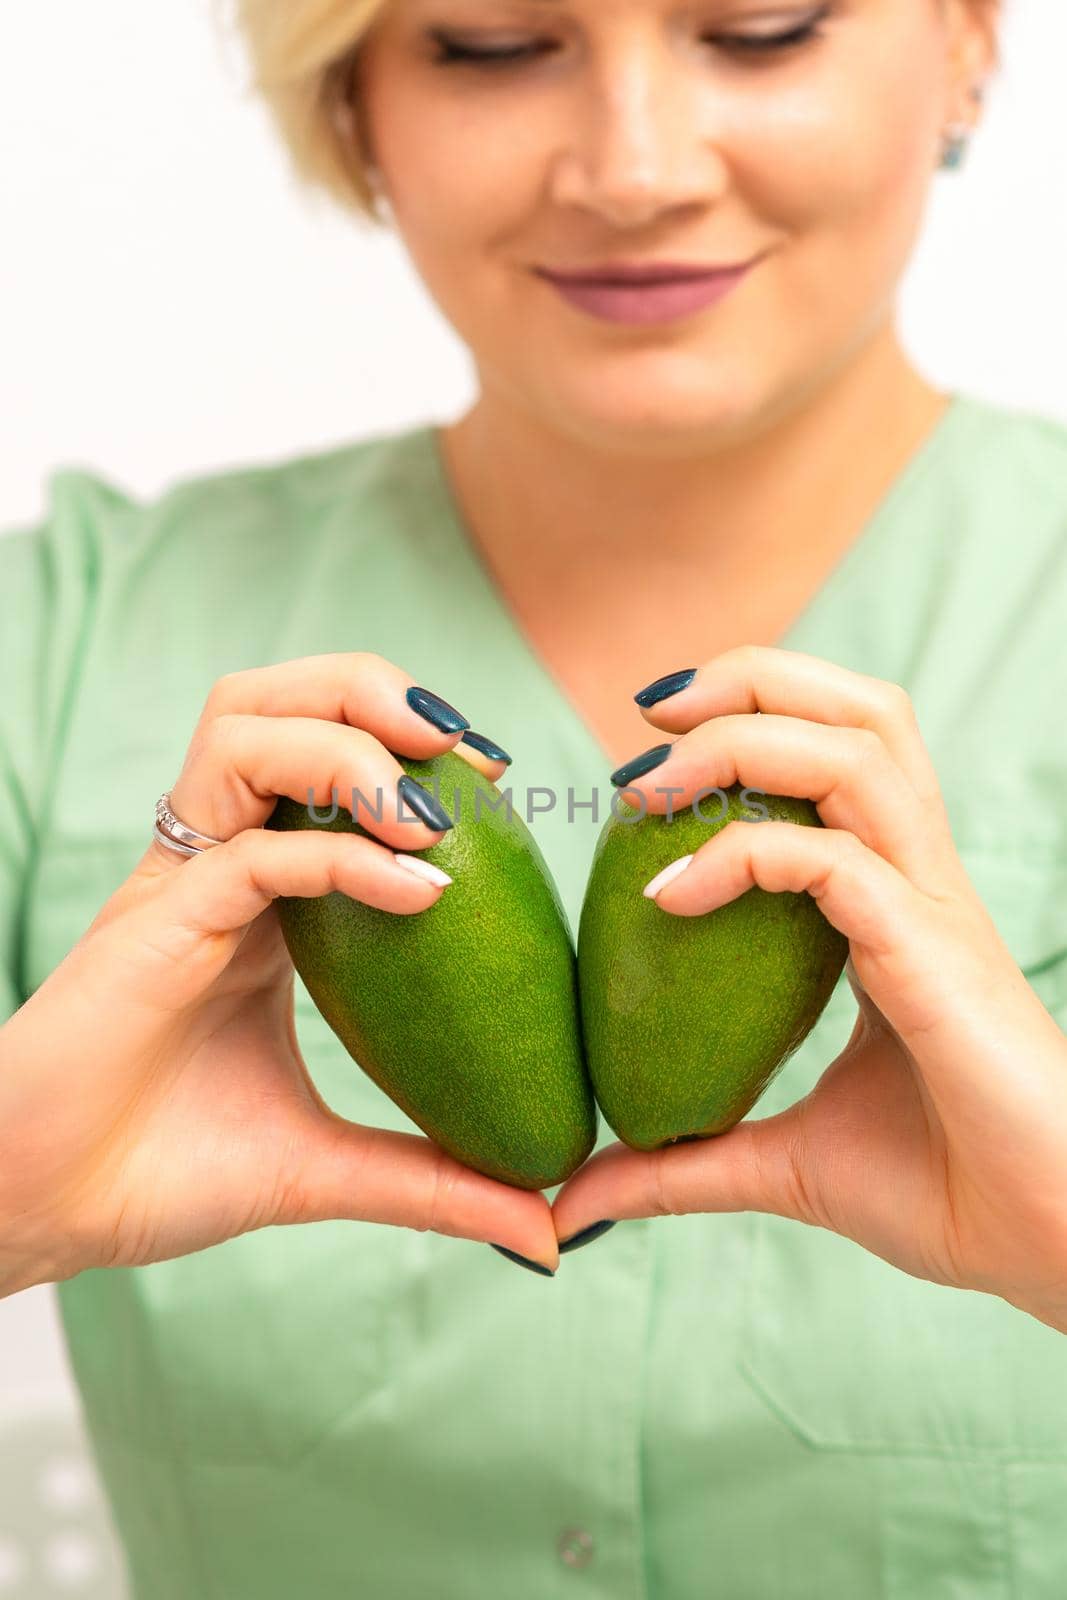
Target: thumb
[751,1168]
[346,1170]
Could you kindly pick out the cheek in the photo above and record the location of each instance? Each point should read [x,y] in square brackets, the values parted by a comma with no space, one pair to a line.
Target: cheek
[847,152]
[844,171]
[460,183]
[468,221]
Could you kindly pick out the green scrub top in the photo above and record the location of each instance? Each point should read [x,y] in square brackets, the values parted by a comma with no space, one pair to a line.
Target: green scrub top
[696,1406]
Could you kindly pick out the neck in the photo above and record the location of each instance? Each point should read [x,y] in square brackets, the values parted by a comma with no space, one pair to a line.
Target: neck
[542,504]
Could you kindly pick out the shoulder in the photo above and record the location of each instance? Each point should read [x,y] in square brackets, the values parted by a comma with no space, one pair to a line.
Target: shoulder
[105,583]
[89,519]
[998,502]
[1025,428]
[1001,503]
[1011,452]
[990,670]
[97,549]
[368,472]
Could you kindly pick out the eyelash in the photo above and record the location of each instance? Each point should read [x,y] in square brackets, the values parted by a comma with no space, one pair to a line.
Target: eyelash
[455,54]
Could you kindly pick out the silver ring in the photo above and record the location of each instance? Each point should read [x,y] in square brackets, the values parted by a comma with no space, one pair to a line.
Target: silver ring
[173,833]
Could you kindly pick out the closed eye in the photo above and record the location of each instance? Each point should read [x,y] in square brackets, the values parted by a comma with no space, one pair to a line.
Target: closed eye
[453,51]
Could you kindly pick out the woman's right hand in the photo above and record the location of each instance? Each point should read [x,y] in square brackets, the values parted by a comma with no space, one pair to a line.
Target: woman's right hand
[153,1097]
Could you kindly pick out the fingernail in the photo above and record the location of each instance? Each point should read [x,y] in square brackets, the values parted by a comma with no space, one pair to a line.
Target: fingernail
[534,1266]
[663,688]
[587,1235]
[436,710]
[640,765]
[478,742]
[422,802]
[668,875]
[423,869]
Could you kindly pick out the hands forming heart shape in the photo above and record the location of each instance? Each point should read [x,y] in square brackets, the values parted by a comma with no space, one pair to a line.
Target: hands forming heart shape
[936,1138]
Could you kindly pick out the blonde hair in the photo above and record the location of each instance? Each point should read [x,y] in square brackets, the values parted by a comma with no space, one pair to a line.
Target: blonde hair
[302,57]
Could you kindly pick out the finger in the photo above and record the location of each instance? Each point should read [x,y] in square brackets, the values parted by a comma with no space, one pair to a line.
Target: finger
[358,689]
[937,972]
[191,924]
[848,773]
[761,678]
[240,764]
[346,1171]
[483,754]
[902,943]
[751,1168]
[857,890]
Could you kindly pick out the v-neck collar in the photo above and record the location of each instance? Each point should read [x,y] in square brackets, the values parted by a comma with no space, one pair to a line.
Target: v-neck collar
[451,524]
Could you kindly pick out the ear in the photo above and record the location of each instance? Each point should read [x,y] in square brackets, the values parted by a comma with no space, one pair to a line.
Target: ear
[974,43]
[972,30]
[344,108]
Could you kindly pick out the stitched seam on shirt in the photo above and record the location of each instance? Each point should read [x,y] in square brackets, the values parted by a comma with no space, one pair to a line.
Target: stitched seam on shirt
[179,1477]
[51,754]
[1003,1526]
[640,1472]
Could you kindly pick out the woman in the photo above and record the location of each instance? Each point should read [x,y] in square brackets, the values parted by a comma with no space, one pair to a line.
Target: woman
[669,508]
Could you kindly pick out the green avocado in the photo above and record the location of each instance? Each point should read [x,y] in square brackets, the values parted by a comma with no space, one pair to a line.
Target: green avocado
[686,1020]
[465,1014]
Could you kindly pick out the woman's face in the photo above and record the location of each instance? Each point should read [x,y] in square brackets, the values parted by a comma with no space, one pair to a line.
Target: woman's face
[801,137]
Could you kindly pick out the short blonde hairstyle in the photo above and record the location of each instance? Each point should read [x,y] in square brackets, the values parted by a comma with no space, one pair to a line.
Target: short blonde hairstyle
[302,54]
[303,62]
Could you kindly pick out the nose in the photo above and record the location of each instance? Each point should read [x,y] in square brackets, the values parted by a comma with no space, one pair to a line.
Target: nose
[639,147]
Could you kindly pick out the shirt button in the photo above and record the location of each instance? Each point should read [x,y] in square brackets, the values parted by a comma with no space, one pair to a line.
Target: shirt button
[575,1547]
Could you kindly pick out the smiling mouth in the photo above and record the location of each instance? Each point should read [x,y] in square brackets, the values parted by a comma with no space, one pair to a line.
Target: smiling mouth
[638,274]
[646,294]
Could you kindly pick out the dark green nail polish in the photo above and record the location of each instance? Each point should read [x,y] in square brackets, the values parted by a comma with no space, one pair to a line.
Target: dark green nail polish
[478,741]
[534,1266]
[436,710]
[640,765]
[587,1235]
[663,688]
[422,802]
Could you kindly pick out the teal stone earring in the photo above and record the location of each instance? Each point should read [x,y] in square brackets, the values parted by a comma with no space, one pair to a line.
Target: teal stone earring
[954,147]
[957,137]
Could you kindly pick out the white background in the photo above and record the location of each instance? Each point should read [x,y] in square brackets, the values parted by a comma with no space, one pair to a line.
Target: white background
[170,301]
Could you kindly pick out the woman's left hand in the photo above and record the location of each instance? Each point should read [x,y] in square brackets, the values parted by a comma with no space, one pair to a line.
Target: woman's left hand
[938,1137]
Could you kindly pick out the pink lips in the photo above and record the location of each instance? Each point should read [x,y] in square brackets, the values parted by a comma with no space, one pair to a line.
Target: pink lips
[658,300]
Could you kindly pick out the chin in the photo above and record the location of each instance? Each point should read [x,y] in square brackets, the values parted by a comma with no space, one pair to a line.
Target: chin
[654,418]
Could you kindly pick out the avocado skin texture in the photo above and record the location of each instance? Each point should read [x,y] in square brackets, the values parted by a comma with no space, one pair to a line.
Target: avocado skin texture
[686,1020]
[465,1014]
